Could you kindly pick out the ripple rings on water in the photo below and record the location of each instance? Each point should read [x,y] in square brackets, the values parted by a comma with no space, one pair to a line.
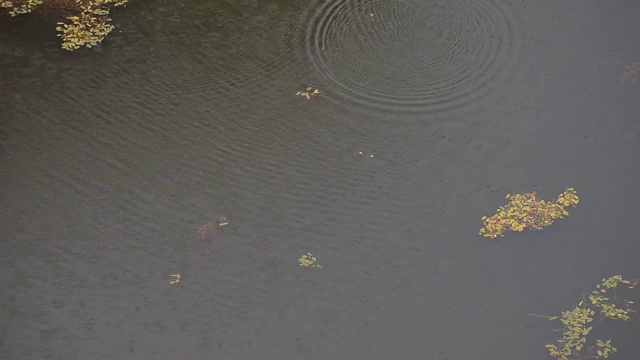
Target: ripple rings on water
[413,55]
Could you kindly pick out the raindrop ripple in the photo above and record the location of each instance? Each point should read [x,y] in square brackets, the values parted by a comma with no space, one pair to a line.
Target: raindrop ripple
[412,56]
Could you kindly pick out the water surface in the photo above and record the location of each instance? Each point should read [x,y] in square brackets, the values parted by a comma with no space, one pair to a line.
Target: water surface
[111,158]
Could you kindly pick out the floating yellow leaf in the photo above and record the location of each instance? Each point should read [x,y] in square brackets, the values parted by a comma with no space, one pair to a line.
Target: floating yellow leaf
[176,280]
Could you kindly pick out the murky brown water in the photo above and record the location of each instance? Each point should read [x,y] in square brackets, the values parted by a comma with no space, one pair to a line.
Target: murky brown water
[112,158]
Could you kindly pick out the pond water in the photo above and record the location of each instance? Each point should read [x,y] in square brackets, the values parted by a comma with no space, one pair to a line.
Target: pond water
[113,160]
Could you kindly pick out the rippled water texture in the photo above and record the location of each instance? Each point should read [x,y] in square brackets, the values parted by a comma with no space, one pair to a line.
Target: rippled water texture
[413,56]
[118,165]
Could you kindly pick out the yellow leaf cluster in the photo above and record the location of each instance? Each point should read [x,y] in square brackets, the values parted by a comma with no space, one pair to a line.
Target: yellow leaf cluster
[308,260]
[308,93]
[90,27]
[20,7]
[527,211]
[577,322]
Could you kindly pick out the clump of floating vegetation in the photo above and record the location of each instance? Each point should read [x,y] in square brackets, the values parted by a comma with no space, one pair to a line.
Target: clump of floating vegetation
[90,26]
[527,211]
[308,93]
[17,7]
[308,260]
[88,22]
[574,343]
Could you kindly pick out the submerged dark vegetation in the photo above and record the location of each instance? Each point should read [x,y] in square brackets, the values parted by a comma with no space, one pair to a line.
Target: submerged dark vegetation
[80,22]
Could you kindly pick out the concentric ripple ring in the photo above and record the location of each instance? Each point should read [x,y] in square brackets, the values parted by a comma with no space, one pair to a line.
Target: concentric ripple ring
[412,55]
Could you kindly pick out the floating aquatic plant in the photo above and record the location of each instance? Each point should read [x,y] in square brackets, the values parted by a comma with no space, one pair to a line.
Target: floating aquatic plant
[18,7]
[527,211]
[308,260]
[577,322]
[89,27]
[308,93]
[176,279]
[89,22]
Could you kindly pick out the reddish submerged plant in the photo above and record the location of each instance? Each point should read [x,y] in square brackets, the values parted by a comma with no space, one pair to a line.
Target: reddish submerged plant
[207,230]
